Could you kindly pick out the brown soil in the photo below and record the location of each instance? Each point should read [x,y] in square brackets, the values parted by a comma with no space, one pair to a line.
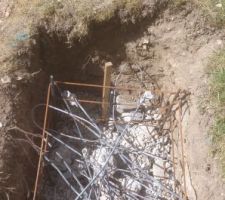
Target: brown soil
[172,50]
[184,44]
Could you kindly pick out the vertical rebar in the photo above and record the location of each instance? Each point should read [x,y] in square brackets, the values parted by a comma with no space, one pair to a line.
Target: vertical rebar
[43,144]
[182,148]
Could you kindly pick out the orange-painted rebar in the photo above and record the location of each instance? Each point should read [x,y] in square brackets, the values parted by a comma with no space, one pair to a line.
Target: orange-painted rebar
[45,135]
[156,91]
[100,86]
[43,145]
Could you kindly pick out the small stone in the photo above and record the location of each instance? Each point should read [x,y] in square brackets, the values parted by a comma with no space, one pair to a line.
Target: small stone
[7,13]
[157,117]
[131,185]
[6,79]
[145,41]
[158,168]
[85,152]
[219,5]
[145,47]
[148,117]
[19,78]
[99,157]
[147,96]
[154,151]
[1,125]
[219,42]
[167,165]
[156,137]
[183,54]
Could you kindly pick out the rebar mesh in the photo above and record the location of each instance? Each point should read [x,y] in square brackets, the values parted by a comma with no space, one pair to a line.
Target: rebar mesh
[129,157]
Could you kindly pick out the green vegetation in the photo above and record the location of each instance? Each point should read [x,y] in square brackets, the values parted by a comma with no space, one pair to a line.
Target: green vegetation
[178,3]
[217,65]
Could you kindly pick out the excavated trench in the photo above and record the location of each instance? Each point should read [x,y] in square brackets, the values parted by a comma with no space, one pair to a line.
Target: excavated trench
[50,55]
[83,62]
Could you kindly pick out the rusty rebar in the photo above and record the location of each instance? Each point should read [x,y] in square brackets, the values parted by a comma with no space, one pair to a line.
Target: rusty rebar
[182,149]
[43,145]
[114,146]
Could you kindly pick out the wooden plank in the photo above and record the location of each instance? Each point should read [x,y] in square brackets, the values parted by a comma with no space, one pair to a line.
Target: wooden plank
[106,90]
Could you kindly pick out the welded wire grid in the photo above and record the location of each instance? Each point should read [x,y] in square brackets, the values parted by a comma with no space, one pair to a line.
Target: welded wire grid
[129,157]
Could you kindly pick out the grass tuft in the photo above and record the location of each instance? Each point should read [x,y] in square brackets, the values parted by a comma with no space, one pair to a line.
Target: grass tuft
[217,88]
[178,3]
[217,64]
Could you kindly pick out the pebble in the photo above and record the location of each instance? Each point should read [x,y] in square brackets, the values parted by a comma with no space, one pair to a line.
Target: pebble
[167,165]
[1,125]
[145,47]
[156,137]
[158,168]
[219,42]
[7,13]
[147,96]
[157,117]
[219,5]
[19,78]
[6,79]
[131,185]
[145,41]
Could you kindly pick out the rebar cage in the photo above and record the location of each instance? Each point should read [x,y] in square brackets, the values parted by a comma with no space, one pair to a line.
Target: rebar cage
[136,152]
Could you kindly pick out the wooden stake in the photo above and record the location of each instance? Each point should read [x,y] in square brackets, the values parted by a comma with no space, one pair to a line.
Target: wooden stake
[106,89]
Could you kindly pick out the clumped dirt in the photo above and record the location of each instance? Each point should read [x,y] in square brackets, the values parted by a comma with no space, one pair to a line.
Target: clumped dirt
[171,49]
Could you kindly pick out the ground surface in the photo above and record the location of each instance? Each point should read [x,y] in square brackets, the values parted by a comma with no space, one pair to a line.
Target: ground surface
[178,45]
[181,45]
[186,43]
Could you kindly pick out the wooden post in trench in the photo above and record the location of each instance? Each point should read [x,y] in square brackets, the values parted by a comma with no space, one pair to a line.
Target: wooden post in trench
[106,90]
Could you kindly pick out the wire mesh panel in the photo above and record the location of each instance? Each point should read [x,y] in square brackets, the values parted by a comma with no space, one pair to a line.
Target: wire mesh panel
[129,156]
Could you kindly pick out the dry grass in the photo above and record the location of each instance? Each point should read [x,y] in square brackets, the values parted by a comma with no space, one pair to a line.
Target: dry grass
[178,3]
[215,10]
[75,16]
[70,20]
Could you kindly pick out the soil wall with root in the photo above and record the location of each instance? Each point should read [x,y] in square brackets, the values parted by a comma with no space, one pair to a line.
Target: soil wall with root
[151,45]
